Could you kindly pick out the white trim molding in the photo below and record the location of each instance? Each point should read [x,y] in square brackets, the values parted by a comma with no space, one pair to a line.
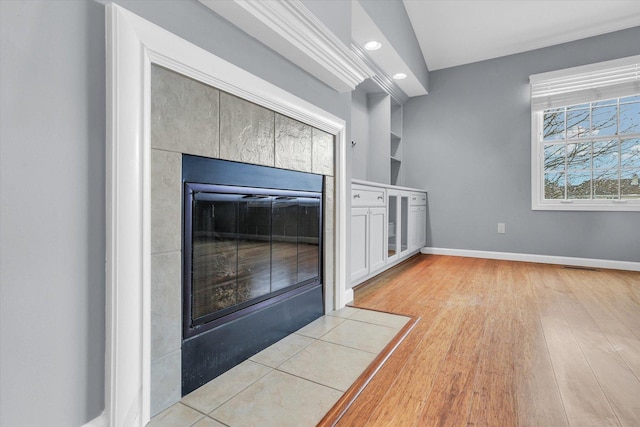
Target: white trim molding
[99,421]
[292,30]
[133,44]
[541,259]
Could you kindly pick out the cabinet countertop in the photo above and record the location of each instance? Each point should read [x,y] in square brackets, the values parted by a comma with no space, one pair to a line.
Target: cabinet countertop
[377,184]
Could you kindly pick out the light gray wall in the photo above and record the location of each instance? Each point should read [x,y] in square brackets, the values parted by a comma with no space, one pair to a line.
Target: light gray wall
[52,144]
[469,143]
[359,134]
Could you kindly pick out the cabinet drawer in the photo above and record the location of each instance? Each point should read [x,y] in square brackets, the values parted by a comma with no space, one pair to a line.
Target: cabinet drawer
[418,199]
[367,196]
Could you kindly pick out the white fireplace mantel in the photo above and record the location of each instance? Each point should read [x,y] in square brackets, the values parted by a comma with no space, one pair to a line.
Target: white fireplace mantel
[133,44]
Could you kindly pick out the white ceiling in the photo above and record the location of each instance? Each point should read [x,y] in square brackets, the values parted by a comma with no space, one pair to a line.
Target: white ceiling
[456,32]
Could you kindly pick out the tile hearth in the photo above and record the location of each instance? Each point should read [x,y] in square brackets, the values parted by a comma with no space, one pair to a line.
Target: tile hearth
[294,382]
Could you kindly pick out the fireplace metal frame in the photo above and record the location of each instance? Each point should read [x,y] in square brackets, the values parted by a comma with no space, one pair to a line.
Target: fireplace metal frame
[213,320]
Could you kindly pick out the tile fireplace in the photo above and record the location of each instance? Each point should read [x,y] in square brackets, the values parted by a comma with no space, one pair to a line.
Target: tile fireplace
[251,160]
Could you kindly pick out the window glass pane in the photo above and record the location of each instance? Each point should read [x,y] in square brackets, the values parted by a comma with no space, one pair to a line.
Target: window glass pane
[605,154]
[578,121]
[554,157]
[630,117]
[630,154]
[579,156]
[553,124]
[554,185]
[605,184]
[635,98]
[579,185]
[604,120]
[630,184]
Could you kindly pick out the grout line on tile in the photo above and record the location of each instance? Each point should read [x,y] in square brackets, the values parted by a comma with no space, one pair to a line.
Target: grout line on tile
[377,324]
[311,381]
[218,421]
[168,251]
[326,332]
[195,409]
[290,356]
[243,389]
[349,347]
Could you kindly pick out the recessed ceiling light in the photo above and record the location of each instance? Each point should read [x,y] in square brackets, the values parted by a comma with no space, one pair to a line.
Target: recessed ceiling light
[372,45]
[399,76]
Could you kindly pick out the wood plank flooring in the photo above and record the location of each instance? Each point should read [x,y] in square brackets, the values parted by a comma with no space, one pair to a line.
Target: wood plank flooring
[503,343]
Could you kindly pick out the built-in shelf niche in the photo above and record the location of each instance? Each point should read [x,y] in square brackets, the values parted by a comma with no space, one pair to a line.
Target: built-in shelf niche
[377,132]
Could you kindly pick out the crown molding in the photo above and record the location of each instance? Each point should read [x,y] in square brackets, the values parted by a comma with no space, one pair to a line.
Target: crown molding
[292,30]
[380,77]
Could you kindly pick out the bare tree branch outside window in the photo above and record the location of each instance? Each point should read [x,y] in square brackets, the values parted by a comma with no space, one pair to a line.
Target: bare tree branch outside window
[592,151]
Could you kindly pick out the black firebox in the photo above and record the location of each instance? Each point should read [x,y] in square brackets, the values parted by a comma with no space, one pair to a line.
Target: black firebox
[252,261]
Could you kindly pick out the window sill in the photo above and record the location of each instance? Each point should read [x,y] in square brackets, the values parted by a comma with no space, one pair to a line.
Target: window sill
[575,205]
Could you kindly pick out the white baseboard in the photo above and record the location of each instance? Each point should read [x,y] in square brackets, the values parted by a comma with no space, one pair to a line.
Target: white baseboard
[348,296]
[99,421]
[542,259]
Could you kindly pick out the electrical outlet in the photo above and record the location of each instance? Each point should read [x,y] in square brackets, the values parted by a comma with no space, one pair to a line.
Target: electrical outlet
[502,228]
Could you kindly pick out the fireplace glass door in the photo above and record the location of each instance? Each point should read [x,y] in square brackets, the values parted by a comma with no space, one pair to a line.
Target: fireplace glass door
[244,246]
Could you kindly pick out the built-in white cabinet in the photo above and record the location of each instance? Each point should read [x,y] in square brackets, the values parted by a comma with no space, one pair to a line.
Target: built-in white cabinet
[397,224]
[368,231]
[417,220]
[388,224]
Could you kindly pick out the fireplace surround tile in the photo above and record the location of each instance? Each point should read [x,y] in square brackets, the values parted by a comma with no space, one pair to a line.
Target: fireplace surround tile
[277,353]
[319,327]
[184,120]
[292,144]
[247,131]
[360,335]
[207,422]
[166,307]
[297,392]
[184,114]
[344,312]
[166,196]
[165,381]
[329,364]
[216,392]
[178,415]
[322,152]
[254,405]
[329,263]
[329,203]
[379,318]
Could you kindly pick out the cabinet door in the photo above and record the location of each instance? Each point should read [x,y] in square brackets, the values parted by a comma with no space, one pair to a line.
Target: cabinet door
[377,242]
[359,243]
[417,227]
[403,225]
[421,228]
[392,226]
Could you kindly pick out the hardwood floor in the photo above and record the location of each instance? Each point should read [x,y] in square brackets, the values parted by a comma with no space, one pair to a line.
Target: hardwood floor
[503,343]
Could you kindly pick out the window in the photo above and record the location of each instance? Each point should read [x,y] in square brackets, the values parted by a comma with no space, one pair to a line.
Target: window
[586,137]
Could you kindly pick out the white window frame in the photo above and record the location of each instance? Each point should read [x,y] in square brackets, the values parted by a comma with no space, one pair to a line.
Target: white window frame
[590,83]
